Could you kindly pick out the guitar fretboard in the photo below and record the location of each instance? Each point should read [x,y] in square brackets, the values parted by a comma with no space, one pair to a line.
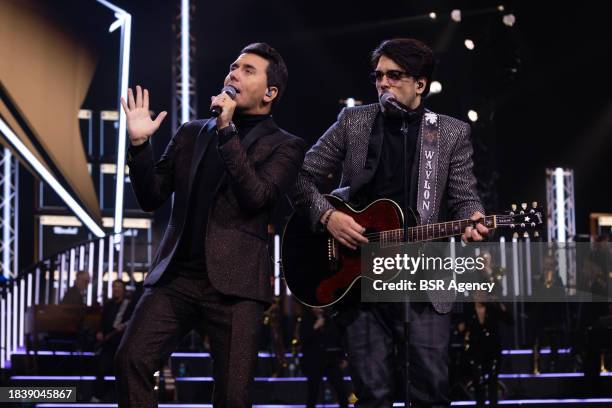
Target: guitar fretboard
[430,232]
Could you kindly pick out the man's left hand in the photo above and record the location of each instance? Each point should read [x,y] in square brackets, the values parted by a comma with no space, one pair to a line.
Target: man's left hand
[227,104]
[478,233]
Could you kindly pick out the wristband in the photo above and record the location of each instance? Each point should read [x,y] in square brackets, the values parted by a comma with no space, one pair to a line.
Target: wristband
[327,217]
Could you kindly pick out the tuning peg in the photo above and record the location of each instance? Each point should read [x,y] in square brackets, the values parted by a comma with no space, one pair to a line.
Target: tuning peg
[522,225]
[512,225]
[524,206]
[515,235]
[513,207]
[526,235]
[533,224]
[534,204]
[536,234]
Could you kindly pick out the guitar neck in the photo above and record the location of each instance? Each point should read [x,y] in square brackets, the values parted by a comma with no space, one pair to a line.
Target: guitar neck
[430,232]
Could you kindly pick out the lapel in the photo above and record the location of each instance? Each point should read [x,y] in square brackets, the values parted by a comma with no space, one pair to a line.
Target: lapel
[204,137]
[375,141]
[414,175]
[265,127]
[202,142]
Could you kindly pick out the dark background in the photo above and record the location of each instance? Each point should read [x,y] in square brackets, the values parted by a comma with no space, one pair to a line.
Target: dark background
[541,88]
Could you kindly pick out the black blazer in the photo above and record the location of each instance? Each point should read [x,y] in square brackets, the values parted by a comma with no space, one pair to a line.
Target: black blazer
[259,170]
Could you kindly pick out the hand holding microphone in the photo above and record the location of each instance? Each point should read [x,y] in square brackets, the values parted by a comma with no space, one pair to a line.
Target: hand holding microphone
[223,105]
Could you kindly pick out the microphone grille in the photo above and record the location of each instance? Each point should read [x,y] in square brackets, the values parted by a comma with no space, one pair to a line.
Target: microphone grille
[230,90]
[386,97]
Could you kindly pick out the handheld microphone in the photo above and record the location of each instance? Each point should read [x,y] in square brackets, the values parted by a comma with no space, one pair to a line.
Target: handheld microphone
[231,91]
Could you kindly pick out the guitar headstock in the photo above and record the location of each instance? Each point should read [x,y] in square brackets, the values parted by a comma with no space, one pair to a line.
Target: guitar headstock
[522,220]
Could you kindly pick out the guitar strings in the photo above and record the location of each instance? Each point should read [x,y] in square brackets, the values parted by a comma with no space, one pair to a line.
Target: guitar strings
[414,230]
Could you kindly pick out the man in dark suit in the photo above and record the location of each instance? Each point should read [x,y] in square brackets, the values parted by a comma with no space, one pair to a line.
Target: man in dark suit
[419,159]
[211,270]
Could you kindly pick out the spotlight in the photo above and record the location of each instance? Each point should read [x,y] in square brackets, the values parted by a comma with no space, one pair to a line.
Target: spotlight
[435,88]
[456,15]
[509,20]
[472,115]
[433,15]
[350,102]
[469,44]
[500,8]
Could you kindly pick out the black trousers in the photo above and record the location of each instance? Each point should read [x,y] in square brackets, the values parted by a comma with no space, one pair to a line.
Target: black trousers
[485,371]
[105,367]
[373,335]
[165,313]
[317,363]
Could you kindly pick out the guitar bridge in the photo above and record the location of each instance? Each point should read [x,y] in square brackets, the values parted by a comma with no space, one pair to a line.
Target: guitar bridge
[331,249]
[332,254]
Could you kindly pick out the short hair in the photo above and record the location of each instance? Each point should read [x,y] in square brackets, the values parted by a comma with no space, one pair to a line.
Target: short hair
[412,55]
[277,70]
[119,281]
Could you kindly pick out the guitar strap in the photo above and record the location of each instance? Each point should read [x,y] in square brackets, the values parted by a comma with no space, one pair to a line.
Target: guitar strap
[428,166]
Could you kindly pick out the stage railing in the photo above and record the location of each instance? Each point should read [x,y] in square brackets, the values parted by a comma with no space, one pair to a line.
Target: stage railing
[46,282]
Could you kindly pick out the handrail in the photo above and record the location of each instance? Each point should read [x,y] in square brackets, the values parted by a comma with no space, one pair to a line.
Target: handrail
[46,281]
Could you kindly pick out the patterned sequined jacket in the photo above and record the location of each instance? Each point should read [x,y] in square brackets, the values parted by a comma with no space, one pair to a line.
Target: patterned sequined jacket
[346,142]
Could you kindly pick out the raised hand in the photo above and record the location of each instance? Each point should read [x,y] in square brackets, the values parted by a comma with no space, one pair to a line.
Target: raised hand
[140,126]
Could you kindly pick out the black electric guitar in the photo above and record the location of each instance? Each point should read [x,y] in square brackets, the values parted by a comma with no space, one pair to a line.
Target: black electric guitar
[320,271]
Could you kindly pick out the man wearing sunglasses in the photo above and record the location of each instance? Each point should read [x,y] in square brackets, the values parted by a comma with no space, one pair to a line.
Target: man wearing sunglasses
[399,150]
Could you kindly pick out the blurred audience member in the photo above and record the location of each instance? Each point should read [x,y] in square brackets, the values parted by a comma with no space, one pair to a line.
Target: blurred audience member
[483,344]
[77,294]
[116,314]
[322,355]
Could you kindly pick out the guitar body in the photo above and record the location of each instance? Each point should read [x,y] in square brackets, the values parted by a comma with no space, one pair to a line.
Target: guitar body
[320,271]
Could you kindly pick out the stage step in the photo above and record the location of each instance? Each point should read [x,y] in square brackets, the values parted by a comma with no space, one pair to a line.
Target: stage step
[532,403]
[200,364]
[292,390]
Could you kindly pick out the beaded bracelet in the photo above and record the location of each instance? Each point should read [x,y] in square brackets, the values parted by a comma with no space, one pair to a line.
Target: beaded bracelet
[327,217]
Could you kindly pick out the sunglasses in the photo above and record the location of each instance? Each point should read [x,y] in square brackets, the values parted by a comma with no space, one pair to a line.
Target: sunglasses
[393,76]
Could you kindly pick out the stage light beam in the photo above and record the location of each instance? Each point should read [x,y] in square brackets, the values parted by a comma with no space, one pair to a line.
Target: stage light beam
[42,171]
[124,20]
[185,75]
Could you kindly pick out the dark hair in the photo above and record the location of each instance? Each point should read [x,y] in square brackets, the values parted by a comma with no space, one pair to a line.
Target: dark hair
[277,70]
[119,281]
[412,55]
